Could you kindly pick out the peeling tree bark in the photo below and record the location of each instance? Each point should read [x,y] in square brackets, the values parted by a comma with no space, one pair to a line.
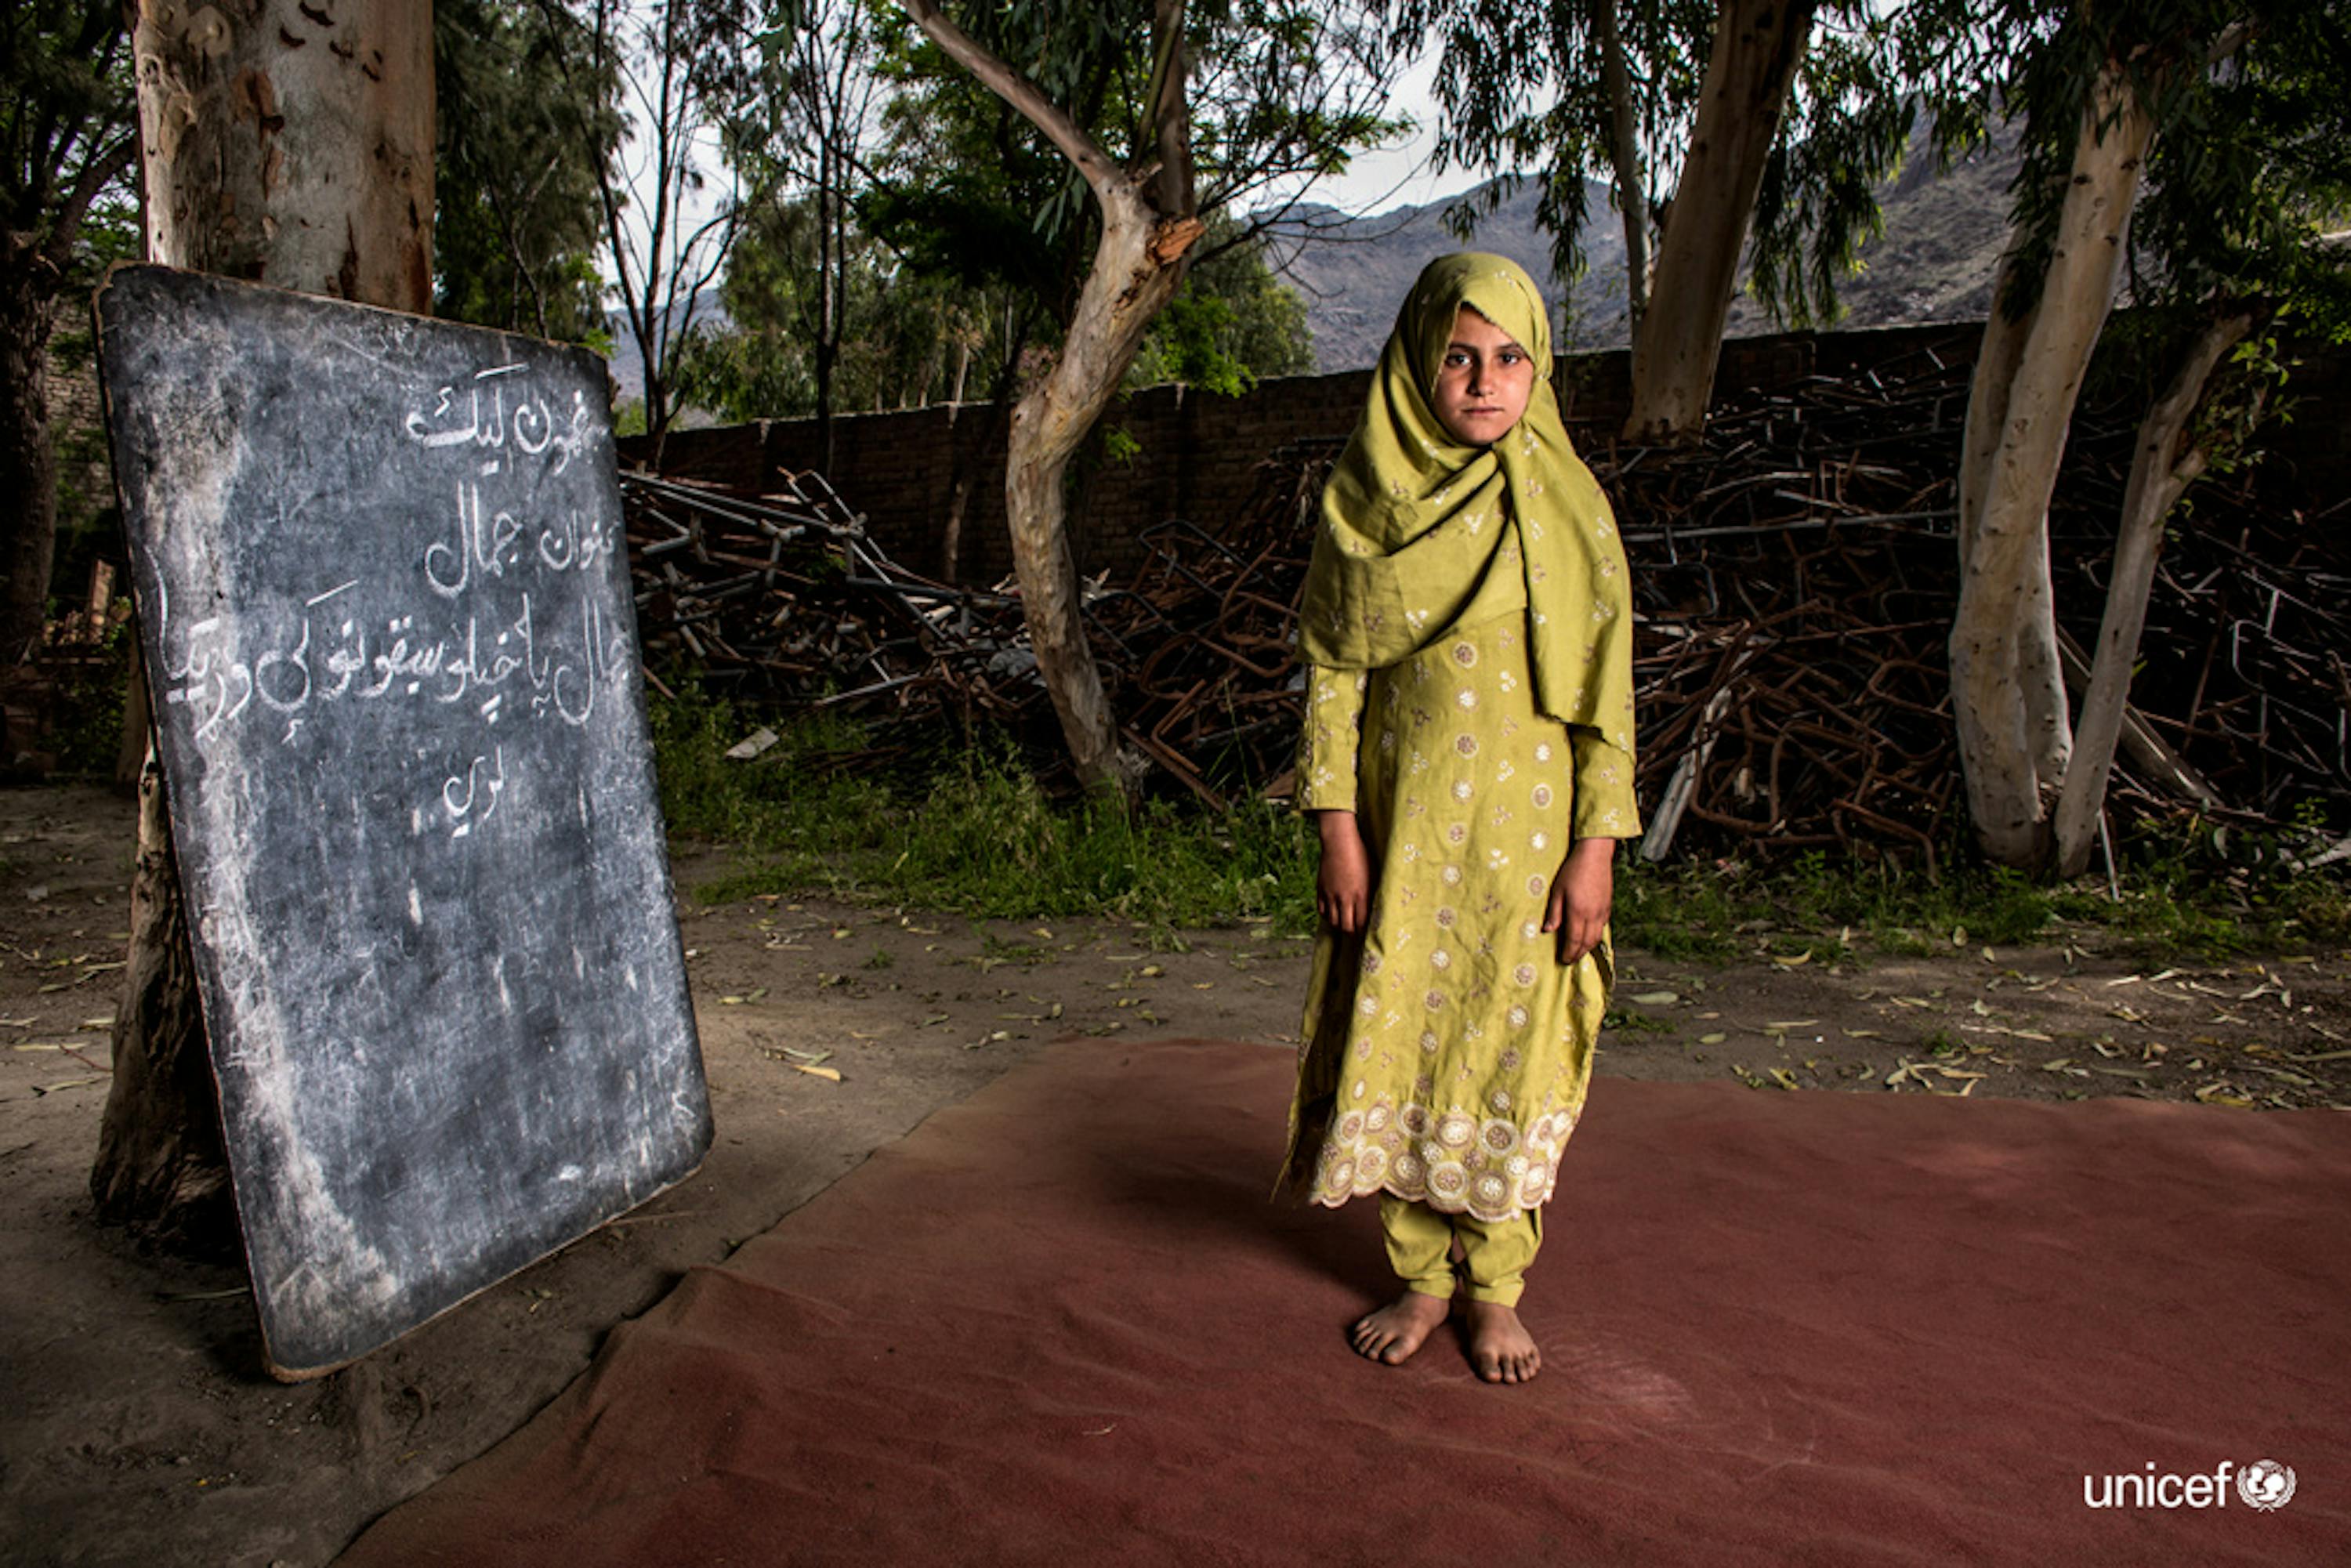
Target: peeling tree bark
[1757,43]
[293,146]
[1149,225]
[2157,483]
[2008,690]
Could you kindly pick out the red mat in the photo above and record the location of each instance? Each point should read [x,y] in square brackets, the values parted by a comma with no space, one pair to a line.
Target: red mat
[1060,1322]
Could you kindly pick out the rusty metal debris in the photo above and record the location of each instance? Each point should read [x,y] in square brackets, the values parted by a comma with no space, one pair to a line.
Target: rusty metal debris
[1796,572]
[786,601]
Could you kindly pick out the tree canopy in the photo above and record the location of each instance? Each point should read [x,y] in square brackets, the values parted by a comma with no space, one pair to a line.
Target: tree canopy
[956,237]
[1525,92]
[2196,150]
[526,118]
[67,123]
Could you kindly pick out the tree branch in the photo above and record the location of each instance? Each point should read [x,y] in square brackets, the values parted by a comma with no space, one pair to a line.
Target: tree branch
[1021,93]
[102,170]
[2232,38]
[1170,121]
[2156,484]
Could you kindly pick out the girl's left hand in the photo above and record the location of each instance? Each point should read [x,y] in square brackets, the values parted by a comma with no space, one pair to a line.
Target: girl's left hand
[1581,895]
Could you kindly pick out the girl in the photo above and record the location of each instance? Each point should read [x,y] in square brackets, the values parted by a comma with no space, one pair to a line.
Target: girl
[1467,754]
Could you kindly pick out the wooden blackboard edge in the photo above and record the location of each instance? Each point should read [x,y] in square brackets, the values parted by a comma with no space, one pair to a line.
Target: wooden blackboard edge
[145,624]
[293,1375]
[150,659]
[598,367]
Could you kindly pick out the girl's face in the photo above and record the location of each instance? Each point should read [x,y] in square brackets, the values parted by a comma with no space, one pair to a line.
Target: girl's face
[1484,382]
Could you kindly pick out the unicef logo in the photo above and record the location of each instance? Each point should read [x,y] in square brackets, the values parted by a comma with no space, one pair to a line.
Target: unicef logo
[2266,1484]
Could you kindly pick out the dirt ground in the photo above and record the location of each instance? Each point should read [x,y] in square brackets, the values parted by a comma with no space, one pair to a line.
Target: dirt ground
[140,1425]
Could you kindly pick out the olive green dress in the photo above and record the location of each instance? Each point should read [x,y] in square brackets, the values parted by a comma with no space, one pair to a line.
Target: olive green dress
[1445,1050]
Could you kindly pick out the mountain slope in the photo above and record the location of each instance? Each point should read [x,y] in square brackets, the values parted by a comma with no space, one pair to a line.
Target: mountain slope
[1933,262]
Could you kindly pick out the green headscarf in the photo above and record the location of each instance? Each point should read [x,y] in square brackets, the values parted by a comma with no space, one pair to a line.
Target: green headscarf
[1413,522]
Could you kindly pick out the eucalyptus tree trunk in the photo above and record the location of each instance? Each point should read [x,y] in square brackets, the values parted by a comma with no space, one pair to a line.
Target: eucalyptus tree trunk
[1136,268]
[1149,224]
[1758,45]
[1625,153]
[290,145]
[2008,689]
[829,268]
[2158,479]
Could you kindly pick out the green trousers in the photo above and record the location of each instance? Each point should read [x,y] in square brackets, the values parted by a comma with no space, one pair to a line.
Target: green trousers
[1494,1254]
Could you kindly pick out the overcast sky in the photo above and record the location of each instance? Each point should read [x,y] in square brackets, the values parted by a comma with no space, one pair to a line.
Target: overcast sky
[1376,182]
[1397,176]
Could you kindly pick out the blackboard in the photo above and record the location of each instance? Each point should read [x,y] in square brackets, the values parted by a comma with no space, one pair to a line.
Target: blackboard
[384,605]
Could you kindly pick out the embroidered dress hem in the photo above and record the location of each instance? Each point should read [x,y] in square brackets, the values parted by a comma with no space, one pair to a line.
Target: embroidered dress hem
[1501,1188]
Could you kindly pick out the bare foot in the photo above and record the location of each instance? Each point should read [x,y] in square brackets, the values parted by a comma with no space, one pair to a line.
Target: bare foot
[1499,1346]
[1396,1330]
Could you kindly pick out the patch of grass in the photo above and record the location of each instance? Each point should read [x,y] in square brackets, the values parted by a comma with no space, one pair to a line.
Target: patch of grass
[974,833]
[1823,912]
[2320,911]
[1901,942]
[86,722]
[2183,896]
[1674,914]
[1791,951]
[2198,890]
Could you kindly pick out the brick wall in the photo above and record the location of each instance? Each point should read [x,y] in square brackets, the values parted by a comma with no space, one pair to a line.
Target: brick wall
[1196,452]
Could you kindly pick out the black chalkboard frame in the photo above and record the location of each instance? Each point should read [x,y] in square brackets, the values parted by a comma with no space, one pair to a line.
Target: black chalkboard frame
[385,608]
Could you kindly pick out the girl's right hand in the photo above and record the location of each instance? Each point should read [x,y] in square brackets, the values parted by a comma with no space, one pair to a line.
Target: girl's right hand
[1343,888]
